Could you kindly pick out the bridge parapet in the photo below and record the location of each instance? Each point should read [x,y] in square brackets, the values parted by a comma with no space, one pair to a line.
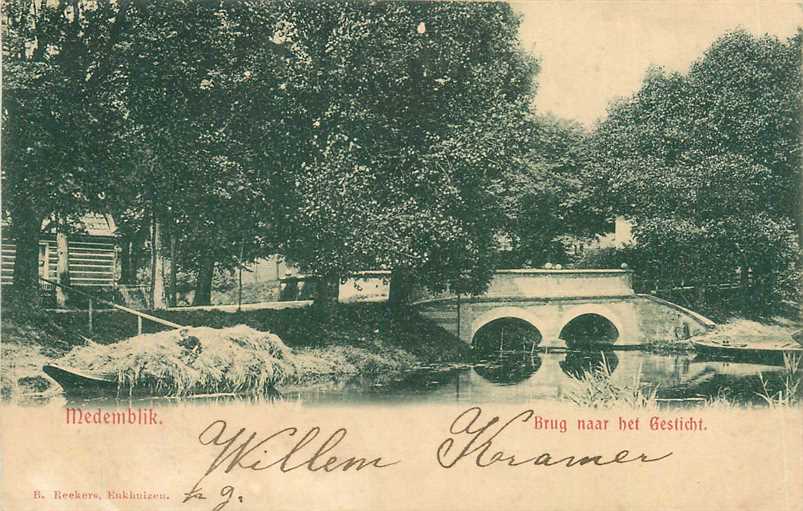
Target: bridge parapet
[546,284]
[561,283]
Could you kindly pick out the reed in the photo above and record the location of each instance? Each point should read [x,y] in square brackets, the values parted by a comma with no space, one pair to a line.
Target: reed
[596,389]
[789,392]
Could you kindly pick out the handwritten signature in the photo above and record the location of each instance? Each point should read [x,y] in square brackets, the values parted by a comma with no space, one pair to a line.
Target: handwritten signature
[471,438]
[476,438]
[245,451]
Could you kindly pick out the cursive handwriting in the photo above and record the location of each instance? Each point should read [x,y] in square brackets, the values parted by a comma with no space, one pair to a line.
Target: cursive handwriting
[473,438]
[240,452]
[245,451]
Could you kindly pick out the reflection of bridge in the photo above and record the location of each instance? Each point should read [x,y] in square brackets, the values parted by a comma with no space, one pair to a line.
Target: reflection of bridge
[550,300]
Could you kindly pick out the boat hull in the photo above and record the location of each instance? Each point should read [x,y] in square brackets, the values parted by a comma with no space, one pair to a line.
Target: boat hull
[745,351]
[77,384]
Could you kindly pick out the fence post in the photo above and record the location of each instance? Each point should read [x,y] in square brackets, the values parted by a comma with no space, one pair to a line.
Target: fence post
[90,315]
[139,325]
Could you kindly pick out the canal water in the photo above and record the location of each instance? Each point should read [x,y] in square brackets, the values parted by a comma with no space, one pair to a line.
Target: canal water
[677,379]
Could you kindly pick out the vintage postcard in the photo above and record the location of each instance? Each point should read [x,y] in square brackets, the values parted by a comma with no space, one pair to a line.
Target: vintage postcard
[394,255]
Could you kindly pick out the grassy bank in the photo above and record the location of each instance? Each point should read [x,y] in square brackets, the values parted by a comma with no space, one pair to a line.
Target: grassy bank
[346,340]
[735,330]
[770,330]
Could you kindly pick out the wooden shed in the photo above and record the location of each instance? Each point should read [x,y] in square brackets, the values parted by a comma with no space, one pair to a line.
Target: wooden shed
[91,253]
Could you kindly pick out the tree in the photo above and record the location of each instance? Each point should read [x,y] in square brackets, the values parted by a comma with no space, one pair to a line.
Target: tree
[204,174]
[707,163]
[58,106]
[546,202]
[412,112]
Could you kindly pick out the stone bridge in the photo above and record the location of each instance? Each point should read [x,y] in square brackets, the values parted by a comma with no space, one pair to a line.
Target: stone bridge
[551,301]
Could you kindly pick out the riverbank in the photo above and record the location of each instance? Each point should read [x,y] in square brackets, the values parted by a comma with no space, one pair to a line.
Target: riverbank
[337,343]
[781,389]
[334,345]
[739,330]
[735,330]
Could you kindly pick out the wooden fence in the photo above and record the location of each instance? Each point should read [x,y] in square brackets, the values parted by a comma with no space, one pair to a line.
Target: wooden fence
[93,301]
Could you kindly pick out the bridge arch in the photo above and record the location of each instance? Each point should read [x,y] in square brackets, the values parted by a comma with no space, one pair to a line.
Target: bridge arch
[593,313]
[504,313]
[551,299]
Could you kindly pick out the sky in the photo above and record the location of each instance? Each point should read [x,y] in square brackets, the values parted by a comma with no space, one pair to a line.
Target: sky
[592,52]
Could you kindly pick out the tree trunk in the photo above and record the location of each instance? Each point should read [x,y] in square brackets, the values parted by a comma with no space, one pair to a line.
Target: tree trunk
[136,256]
[769,298]
[744,286]
[327,290]
[26,229]
[754,292]
[699,291]
[763,283]
[125,261]
[171,283]
[157,267]
[400,288]
[203,286]
[63,267]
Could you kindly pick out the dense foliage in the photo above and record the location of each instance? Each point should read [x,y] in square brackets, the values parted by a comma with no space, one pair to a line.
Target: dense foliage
[347,136]
[706,164]
[57,119]
[547,204]
[416,110]
[343,135]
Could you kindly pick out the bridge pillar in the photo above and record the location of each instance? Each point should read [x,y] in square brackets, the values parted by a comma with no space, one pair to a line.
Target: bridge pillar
[552,342]
[549,325]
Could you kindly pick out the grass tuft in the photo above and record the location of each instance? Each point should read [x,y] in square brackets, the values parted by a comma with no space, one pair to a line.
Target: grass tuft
[595,389]
[789,392]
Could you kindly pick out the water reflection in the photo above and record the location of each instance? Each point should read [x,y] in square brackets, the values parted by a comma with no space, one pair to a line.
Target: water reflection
[514,378]
[509,369]
[579,363]
[505,335]
[589,331]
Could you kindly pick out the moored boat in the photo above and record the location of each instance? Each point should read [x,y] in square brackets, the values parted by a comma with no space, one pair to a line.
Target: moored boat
[769,351]
[78,384]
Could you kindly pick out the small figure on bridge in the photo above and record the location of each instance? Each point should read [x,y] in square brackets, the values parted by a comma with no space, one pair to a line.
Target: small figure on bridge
[682,332]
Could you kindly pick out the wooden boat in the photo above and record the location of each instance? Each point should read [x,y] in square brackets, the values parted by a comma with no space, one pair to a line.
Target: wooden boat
[83,386]
[79,384]
[770,351]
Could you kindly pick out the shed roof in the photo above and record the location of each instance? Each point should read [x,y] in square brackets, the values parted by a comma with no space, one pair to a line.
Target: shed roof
[92,224]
